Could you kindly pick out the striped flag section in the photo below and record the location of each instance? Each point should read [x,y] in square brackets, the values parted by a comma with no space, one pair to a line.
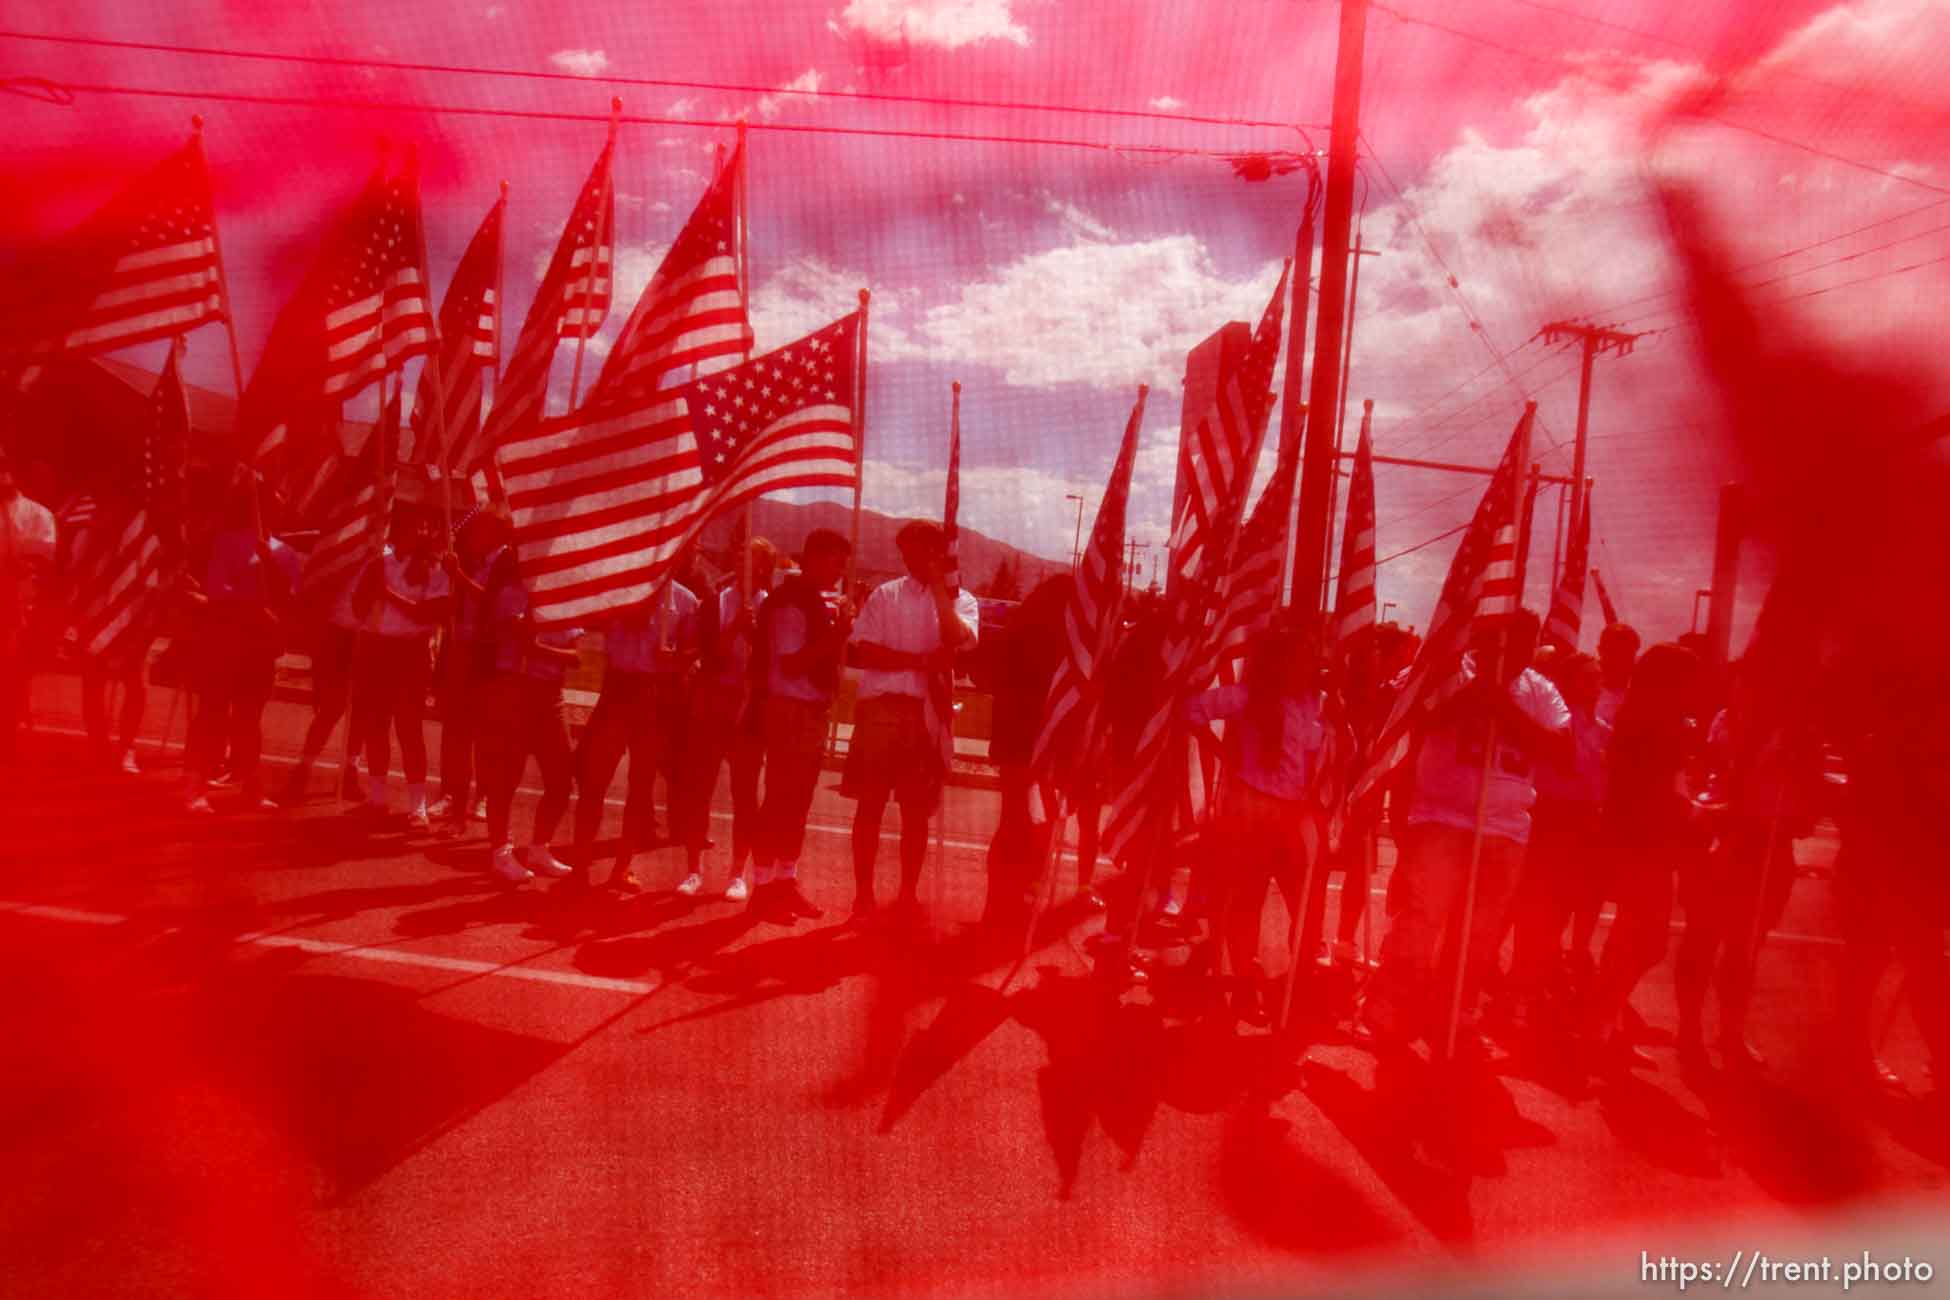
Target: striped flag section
[1252,588]
[118,598]
[574,296]
[119,605]
[693,309]
[363,309]
[1221,448]
[1224,448]
[606,498]
[1354,602]
[470,346]
[144,267]
[1090,627]
[347,537]
[1482,581]
[1565,624]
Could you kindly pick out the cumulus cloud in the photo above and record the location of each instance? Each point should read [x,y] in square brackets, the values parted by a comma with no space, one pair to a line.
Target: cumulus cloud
[1167,104]
[809,294]
[684,107]
[806,82]
[1095,311]
[950,24]
[583,63]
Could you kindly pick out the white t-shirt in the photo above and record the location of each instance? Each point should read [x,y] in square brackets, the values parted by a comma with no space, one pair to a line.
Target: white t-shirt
[388,619]
[900,615]
[1449,772]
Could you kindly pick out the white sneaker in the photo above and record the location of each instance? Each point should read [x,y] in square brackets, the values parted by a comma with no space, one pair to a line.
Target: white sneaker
[417,819]
[199,803]
[543,863]
[129,765]
[693,884]
[738,890]
[441,807]
[480,809]
[503,864]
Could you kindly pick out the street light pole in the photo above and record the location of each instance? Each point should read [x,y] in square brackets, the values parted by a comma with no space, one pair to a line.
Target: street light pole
[1076,545]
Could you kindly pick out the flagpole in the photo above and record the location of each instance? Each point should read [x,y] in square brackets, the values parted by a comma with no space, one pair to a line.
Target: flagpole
[1469,886]
[604,233]
[741,197]
[859,438]
[439,421]
[223,278]
[954,574]
[491,388]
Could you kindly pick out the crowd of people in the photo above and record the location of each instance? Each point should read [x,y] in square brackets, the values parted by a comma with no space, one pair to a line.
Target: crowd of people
[1541,784]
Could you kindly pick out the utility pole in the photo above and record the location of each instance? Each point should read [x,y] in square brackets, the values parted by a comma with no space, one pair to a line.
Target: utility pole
[1337,220]
[1595,339]
[1340,418]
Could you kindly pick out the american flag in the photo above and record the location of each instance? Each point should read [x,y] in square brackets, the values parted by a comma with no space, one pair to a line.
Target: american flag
[363,309]
[470,346]
[693,309]
[1252,588]
[1604,598]
[1354,604]
[606,498]
[117,601]
[1219,460]
[573,299]
[939,714]
[1220,450]
[1090,624]
[144,267]
[1482,581]
[1565,623]
[346,537]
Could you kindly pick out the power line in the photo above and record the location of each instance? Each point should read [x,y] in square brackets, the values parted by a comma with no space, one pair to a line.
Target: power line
[629,119]
[1410,550]
[396,65]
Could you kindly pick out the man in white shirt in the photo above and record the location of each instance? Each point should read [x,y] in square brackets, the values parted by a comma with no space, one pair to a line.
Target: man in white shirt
[26,552]
[907,636]
[1503,698]
[409,594]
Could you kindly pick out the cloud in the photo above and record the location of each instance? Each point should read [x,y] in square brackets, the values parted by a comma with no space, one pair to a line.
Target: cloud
[583,63]
[684,107]
[809,294]
[494,11]
[1166,104]
[807,81]
[1095,311]
[950,24]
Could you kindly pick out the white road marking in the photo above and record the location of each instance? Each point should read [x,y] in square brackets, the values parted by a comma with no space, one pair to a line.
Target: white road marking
[393,956]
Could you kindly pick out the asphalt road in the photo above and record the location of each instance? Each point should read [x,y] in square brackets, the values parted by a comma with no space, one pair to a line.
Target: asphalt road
[297,1054]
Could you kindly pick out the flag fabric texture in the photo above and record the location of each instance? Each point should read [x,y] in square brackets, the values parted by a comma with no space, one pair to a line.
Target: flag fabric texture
[606,498]
[1354,602]
[144,267]
[1482,582]
[355,523]
[573,299]
[1220,455]
[117,601]
[1252,586]
[693,309]
[1220,450]
[1566,620]
[470,346]
[1072,710]
[364,308]
[1604,598]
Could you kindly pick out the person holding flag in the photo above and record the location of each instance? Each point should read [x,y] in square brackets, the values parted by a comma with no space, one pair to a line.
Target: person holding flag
[409,595]
[27,537]
[244,606]
[908,630]
[1475,761]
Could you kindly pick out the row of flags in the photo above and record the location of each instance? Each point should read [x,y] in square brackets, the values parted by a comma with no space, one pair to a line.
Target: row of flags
[606,496]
